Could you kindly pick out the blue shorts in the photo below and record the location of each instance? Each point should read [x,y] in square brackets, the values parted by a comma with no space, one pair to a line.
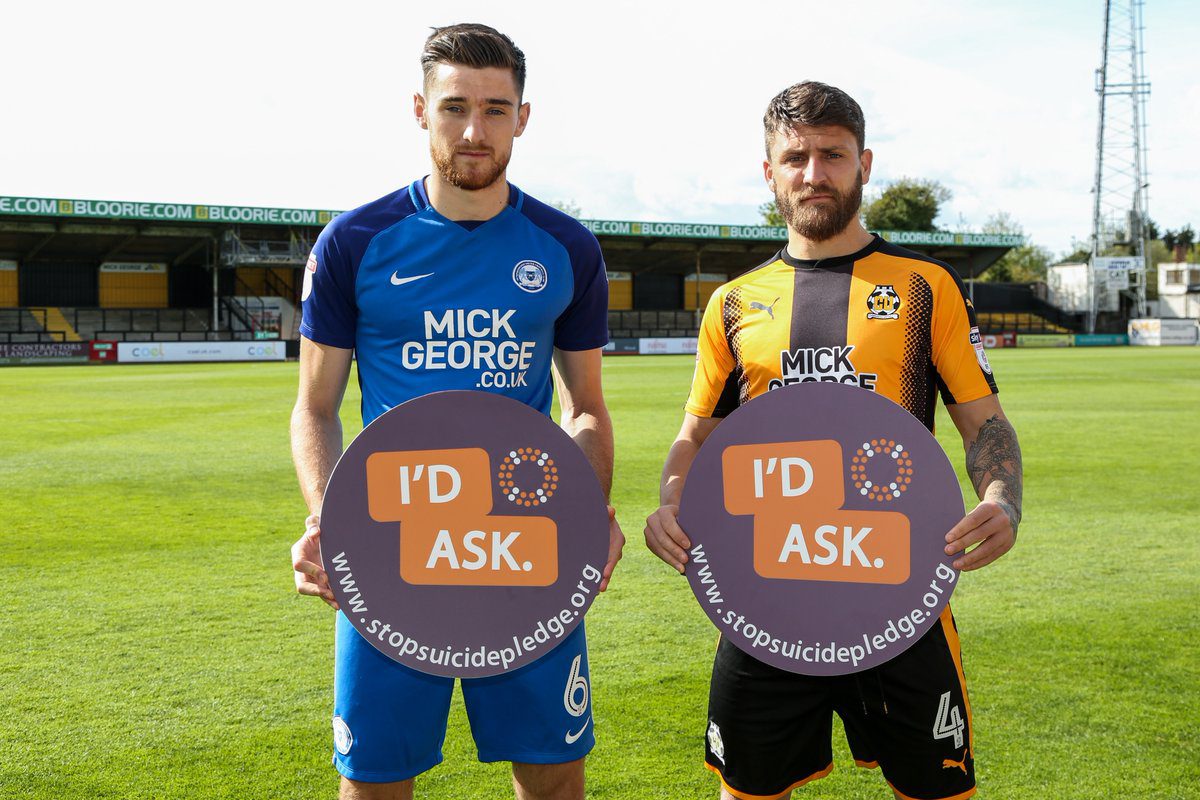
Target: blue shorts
[390,721]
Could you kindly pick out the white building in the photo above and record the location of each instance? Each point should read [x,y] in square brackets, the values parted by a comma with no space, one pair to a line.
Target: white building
[1067,285]
[1179,290]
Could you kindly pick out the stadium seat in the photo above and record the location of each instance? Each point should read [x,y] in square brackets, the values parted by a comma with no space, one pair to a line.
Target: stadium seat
[1019,322]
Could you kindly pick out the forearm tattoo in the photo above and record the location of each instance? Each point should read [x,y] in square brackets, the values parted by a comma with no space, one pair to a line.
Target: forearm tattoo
[994,465]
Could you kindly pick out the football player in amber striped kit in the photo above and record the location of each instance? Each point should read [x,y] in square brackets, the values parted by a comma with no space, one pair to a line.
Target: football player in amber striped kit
[840,304]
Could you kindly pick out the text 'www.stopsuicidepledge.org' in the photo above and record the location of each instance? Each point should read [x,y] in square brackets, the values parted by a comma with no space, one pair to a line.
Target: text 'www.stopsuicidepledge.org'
[904,626]
[547,631]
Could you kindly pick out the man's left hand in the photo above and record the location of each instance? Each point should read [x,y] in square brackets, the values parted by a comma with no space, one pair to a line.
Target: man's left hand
[990,526]
[616,542]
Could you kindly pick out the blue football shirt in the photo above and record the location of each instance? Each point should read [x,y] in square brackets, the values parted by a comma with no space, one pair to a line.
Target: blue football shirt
[429,304]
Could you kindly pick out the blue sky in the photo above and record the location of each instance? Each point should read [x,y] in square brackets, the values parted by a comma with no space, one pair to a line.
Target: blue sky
[646,111]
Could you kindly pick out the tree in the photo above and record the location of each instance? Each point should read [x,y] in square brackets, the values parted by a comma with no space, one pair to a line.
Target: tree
[1170,239]
[770,214]
[1184,239]
[1025,264]
[908,204]
[568,207]
[1080,252]
[1155,255]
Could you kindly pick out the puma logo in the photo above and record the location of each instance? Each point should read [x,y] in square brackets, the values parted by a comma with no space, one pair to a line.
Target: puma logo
[757,306]
[948,763]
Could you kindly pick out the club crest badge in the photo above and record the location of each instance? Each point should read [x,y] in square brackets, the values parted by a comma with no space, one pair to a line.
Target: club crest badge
[883,303]
[715,743]
[530,276]
[343,740]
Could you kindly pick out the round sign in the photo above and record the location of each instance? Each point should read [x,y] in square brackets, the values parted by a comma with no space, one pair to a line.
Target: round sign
[464,534]
[817,515]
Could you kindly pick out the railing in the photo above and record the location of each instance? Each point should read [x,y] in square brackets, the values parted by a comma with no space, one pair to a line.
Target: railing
[159,324]
[250,313]
[1056,315]
[239,311]
[264,252]
[22,325]
[278,287]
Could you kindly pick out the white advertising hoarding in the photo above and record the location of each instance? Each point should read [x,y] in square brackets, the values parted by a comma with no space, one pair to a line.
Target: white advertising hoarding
[161,352]
[675,345]
[1163,331]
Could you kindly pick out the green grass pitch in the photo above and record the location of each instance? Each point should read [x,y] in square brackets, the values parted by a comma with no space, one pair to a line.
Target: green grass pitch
[153,646]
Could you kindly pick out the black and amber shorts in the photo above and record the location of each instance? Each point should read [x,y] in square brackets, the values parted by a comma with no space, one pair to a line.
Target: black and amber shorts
[769,730]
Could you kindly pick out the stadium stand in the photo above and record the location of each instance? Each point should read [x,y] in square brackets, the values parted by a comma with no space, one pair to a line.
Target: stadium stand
[57,324]
[83,270]
[636,324]
[1018,322]
[20,325]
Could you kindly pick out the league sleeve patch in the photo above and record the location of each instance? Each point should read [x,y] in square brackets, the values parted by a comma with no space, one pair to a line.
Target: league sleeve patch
[309,270]
[980,353]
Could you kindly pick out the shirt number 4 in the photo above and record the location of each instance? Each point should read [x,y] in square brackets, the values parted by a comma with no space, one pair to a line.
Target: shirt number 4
[948,722]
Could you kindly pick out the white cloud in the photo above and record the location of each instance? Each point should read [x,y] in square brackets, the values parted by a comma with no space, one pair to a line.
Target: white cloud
[640,110]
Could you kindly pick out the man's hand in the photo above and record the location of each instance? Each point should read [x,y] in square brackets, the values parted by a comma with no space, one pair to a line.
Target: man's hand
[994,466]
[991,526]
[665,538]
[616,543]
[306,561]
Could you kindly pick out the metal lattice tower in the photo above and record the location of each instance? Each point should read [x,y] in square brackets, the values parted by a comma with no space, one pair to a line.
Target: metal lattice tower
[1120,192]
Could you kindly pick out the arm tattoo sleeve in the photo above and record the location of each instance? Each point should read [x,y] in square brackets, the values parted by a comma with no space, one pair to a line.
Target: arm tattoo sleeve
[994,465]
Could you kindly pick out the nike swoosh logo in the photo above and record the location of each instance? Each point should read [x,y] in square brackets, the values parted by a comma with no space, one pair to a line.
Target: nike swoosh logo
[571,738]
[398,281]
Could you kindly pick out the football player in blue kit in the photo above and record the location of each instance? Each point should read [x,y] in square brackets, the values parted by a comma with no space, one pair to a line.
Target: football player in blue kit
[457,281]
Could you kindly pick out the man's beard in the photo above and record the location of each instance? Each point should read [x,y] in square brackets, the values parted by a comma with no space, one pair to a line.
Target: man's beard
[473,181]
[819,222]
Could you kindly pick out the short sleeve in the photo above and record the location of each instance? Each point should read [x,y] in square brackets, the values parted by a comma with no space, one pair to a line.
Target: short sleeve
[714,361]
[329,313]
[584,323]
[964,373]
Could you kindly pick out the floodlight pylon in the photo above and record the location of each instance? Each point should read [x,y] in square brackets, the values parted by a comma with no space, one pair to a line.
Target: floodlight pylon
[1120,193]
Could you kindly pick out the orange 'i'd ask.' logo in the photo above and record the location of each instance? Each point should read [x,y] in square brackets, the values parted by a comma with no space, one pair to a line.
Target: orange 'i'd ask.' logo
[795,491]
[448,535]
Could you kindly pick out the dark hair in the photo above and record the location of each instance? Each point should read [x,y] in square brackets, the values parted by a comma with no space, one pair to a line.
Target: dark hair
[469,44]
[815,104]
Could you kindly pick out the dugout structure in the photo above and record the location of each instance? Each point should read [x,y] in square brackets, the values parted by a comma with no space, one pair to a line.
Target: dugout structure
[79,270]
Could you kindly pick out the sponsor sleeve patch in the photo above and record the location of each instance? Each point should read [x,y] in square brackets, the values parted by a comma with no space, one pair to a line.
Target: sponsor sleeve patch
[980,353]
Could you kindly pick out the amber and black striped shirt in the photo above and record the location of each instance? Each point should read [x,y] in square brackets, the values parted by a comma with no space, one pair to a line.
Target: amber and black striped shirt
[884,318]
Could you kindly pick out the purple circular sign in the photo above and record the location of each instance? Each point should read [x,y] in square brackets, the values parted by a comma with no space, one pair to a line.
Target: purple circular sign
[817,514]
[464,534]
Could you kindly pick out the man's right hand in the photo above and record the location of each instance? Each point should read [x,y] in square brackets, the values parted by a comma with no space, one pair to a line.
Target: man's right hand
[306,561]
[665,538]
